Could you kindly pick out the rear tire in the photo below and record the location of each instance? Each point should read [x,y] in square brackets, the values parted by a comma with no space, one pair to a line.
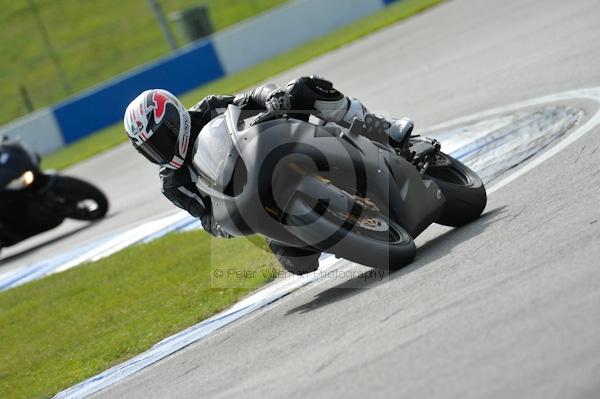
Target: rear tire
[465,193]
[78,199]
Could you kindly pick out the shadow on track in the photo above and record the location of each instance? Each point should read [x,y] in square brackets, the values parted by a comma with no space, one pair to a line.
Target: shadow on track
[41,245]
[427,253]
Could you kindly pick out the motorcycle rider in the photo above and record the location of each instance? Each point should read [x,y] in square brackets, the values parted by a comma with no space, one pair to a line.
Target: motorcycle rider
[163,131]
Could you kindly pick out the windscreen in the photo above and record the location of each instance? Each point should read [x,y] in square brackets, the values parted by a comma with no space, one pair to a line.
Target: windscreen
[212,146]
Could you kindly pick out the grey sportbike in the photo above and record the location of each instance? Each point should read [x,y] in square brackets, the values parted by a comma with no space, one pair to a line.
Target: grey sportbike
[330,188]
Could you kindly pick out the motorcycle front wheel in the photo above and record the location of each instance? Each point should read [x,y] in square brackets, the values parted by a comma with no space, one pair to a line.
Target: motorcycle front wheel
[366,236]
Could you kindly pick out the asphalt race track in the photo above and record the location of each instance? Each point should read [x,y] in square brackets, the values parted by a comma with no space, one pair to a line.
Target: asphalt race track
[504,307]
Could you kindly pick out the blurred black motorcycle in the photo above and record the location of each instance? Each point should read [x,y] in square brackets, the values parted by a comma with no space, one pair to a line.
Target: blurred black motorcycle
[33,201]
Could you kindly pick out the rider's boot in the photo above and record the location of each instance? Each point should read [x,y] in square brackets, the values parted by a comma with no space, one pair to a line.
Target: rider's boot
[295,260]
[400,131]
[395,132]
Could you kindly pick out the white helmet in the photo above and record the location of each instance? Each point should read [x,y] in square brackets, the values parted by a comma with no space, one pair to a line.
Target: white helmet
[158,126]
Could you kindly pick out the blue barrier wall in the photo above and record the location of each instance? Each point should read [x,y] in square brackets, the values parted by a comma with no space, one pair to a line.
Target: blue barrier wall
[104,105]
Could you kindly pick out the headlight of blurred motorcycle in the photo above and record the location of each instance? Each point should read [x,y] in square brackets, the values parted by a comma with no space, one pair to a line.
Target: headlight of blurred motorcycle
[21,182]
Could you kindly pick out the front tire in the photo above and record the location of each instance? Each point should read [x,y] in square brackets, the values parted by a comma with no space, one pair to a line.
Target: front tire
[465,193]
[375,242]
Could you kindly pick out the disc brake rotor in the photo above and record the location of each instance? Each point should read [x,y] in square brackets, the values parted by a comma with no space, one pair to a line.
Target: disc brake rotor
[366,222]
[373,223]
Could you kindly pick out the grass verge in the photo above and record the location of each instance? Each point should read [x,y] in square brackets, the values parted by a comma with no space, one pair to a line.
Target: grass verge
[112,136]
[69,326]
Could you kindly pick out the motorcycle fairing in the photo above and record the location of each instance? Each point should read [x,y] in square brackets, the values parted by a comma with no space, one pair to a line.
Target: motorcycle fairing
[267,163]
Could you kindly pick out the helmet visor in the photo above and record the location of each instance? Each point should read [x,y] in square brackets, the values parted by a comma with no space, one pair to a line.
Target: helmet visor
[162,145]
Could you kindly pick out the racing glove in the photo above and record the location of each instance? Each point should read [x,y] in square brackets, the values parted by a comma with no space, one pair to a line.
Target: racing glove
[278,101]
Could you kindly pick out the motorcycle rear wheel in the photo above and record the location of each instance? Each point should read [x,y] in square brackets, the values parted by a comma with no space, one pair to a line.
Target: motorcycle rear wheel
[78,199]
[465,193]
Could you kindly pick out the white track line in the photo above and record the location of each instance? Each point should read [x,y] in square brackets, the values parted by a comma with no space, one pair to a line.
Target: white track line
[591,93]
